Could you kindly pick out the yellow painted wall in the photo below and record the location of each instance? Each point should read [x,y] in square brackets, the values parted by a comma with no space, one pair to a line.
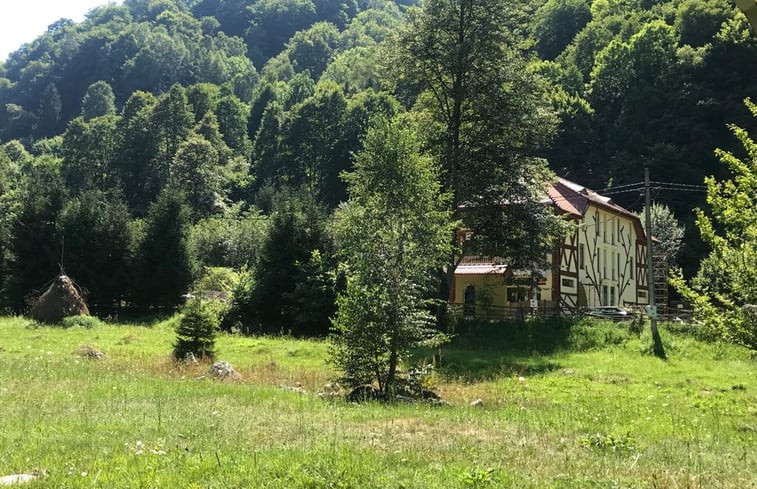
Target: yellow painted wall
[494,283]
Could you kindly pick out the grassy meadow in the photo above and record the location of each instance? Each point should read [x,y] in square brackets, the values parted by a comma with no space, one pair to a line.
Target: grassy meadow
[598,413]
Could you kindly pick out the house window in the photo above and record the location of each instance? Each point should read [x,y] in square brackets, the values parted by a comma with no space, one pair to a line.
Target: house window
[596,223]
[612,264]
[517,294]
[604,263]
[568,282]
[612,229]
[642,294]
[632,267]
[581,256]
[605,294]
[612,296]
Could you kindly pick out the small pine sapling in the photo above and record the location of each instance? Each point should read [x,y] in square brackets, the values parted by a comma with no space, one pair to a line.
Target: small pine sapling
[196,333]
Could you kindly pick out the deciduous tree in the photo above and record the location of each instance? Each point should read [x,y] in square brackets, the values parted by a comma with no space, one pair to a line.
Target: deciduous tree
[392,234]
[489,122]
[727,278]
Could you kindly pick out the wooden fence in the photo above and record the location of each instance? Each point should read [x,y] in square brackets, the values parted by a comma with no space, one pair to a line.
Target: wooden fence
[513,311]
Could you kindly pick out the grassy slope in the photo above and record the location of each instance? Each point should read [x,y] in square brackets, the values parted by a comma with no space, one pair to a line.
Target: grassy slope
[135,420]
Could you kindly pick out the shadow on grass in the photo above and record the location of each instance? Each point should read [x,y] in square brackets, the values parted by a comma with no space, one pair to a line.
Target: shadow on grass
[146,319]
[476,366]
[484,351]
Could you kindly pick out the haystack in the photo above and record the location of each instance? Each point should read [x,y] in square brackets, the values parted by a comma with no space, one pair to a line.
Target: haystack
[60,300]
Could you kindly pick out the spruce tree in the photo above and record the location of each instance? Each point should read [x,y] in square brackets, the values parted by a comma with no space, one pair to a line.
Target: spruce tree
[166,267]
[196,333]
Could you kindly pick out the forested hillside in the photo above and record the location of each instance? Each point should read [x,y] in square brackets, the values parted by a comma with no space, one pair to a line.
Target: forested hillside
[161,137]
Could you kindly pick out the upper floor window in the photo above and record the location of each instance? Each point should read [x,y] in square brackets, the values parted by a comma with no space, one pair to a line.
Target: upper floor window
[613,225]
[596,223]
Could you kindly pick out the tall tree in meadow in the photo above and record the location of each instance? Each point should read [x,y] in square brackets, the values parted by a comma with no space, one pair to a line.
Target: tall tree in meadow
[391,235]
[488,123]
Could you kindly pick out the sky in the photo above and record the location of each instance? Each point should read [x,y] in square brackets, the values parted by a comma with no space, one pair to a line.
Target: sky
[23,21]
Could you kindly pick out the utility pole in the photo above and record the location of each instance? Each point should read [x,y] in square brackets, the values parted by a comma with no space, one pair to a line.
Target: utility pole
[749,8]
[659,350]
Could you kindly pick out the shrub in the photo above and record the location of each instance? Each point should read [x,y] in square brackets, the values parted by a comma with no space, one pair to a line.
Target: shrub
[589,335]
[196,333]
[87,322]
[216,279]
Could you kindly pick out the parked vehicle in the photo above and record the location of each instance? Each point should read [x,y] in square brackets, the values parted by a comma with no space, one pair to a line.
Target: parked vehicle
[609,312]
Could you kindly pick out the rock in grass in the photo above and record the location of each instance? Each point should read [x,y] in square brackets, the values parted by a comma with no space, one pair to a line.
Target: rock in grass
[330,391]
[477,403]
[223,371]
[90,352]
[12,480]
[296,388]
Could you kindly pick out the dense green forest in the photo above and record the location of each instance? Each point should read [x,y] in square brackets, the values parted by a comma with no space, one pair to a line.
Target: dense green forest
[159,140]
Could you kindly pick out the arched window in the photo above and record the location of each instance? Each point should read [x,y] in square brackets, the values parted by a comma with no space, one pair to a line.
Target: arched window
[469,305]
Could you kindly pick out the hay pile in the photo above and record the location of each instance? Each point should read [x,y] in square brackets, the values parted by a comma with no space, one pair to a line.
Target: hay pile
[60,300]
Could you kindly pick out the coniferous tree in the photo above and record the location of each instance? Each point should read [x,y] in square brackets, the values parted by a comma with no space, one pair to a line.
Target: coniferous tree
[165,268]
[35,246]
[196,333]
[267,301]
[95,228]
[49,113]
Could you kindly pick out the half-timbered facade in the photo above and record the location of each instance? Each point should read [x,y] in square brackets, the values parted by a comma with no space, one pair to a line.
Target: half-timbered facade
[600,262]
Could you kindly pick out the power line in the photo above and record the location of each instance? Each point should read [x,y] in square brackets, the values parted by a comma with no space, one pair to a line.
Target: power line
[678,189]
[674,184]
[623,186]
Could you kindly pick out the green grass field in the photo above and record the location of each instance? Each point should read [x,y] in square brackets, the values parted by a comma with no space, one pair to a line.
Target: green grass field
[595,417]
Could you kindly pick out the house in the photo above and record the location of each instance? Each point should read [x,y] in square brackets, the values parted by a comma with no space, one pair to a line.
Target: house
[600,262]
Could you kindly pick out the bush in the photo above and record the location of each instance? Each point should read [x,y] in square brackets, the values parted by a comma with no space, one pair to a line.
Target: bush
[87,322]
[216,279]
[196,333]
[591,334]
